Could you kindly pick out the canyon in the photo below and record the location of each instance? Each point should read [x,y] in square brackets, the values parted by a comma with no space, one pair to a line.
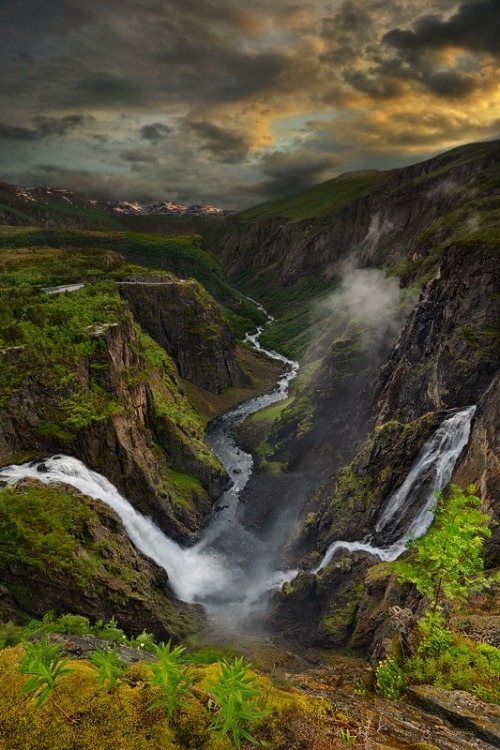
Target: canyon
[389,301]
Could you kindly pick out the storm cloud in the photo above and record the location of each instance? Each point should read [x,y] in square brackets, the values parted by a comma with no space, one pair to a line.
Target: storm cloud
[231,103]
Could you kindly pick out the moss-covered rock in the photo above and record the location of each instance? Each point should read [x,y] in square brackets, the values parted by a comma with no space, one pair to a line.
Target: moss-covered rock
[64,552]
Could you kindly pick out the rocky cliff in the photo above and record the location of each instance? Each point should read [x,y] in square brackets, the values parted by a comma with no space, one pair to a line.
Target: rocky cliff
[185,321]
[75,557]
[383,227]
[123,412]
[447,356]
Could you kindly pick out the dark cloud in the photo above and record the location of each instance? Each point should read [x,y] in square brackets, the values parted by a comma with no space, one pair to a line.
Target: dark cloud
[109,88]
[44,128]
[290,172]
[224,144]
[50,127]
[220,82]
[139,159]
[155,131]
[375,86]
[449,83]
[475,27]
[15,133]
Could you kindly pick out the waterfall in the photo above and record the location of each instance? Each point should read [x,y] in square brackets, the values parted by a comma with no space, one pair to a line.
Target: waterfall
[187,573]
[230,568]
[408,512]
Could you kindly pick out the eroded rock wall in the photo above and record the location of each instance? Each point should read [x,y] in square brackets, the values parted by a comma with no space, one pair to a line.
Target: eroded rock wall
[185,321]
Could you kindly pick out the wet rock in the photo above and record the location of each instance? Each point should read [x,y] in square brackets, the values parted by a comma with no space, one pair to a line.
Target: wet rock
[461,708]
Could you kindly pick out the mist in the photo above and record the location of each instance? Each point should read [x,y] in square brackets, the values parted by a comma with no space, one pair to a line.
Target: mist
[366,303]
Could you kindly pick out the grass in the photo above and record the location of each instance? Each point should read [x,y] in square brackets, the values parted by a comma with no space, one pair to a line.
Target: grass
[316,202]
[80,255]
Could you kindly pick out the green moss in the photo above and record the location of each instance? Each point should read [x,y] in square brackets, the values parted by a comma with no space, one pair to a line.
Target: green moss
[41,527]
[338,619]
[119,718]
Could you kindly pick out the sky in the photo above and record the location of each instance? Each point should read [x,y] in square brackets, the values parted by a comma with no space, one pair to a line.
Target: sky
[231,102]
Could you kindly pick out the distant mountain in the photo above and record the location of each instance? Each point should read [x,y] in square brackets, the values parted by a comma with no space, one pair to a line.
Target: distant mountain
[163,208]
[47,206]
[51,207]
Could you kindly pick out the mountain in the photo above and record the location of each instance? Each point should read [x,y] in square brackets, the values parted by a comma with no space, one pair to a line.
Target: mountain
[51,207]
[164,208]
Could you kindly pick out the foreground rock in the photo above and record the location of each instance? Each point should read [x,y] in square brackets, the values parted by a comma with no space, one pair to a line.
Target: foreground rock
[461,708]
[85,565]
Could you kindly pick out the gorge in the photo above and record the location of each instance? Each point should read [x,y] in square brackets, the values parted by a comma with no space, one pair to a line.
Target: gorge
[268,498]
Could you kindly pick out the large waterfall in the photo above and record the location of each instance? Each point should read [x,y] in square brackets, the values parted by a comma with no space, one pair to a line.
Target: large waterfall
[408,512]
[230,568]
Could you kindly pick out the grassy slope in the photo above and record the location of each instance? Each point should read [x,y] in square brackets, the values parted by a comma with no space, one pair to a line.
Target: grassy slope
[321,200]
[329,197]
[54,208]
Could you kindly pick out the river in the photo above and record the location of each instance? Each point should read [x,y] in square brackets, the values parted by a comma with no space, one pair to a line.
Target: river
[234,568]
[231,570]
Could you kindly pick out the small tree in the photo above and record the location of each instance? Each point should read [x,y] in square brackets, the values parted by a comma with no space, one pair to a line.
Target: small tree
[236,696]
[448,565]
[108,664]
[170,678]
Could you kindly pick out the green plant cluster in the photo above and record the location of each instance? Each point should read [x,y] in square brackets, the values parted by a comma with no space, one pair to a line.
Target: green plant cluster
[389,678]
[237,698]
[76,625]
[454,662]
[446,567]
[45,665]
[232,697]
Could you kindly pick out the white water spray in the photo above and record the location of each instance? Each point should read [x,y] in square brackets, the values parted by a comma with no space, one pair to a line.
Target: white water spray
[430,473]
[229,566]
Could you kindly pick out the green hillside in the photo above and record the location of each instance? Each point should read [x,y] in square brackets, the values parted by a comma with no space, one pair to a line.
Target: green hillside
[30,248]
[320,200]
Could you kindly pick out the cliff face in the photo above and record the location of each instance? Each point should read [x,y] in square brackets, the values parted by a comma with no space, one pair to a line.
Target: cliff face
[96,572]
[141,432]
[449,351]
[447,356]
[383,227]
[185,321]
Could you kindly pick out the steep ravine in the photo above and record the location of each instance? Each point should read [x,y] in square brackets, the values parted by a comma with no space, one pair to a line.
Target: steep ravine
[381,228]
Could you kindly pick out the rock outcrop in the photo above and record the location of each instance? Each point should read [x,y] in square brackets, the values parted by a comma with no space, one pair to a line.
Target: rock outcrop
[185,321]
[142,433]
[105,577]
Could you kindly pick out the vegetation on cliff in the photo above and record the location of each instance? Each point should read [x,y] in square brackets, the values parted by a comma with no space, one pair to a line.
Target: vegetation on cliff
[220,706]
[65,552]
